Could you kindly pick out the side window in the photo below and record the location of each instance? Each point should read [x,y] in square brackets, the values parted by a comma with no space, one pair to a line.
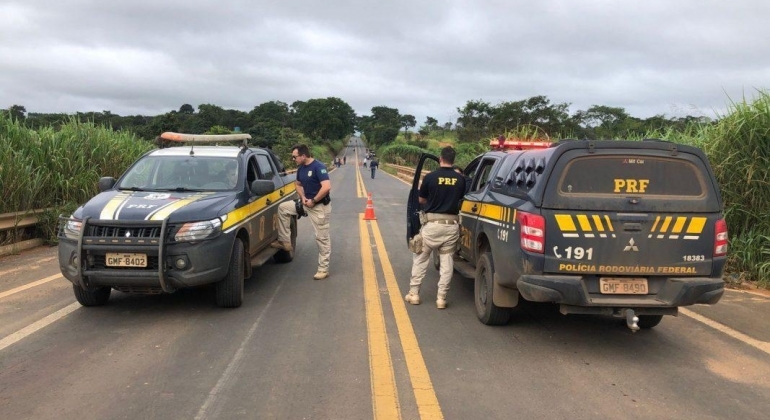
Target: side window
[252,174]
[483,175]
[265,169]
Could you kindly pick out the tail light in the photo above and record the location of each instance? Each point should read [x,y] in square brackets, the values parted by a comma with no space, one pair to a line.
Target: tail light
[720,238]
[532,231]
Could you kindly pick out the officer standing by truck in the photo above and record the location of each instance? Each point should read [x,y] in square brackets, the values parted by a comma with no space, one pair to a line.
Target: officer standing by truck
[440,195]
[313,187]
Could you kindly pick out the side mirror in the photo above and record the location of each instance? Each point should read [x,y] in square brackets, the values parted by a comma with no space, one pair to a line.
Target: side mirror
[262,187]
[106,183]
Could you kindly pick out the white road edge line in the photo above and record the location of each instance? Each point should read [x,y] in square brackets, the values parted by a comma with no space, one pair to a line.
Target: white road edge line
[753,342]
[31,329]
[29,286]
[235,363]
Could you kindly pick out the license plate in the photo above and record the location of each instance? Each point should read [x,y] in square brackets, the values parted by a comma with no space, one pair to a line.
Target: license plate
[622,286]
[118,259]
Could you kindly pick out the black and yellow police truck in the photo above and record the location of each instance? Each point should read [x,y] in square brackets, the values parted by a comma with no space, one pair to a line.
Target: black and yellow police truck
[179,217]
[632,229]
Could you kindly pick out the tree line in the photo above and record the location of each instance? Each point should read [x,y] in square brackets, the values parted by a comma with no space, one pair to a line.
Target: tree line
[333,119]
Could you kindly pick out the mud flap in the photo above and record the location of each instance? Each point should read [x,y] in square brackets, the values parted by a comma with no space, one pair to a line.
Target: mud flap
[503,296]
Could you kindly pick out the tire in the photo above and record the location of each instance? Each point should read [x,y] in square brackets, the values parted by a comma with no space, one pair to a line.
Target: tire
[282,256]
[649,321]
[95,296]
[486,310]
[436,260]
[229,291]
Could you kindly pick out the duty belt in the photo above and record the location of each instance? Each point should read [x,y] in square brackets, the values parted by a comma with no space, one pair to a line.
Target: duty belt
[444,219]
[444,222]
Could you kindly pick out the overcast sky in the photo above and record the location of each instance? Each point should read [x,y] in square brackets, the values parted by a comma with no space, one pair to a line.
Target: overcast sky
[424,57]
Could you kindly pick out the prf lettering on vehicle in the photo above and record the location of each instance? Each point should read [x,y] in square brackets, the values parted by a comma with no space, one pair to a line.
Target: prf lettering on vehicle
[446,181]
[625,269]
[631,186]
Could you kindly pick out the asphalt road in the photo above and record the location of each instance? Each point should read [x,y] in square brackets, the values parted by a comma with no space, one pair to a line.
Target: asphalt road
[349,348]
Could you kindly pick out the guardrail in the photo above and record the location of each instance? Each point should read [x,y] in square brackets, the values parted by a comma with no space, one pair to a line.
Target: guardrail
[404,172]
[19,220]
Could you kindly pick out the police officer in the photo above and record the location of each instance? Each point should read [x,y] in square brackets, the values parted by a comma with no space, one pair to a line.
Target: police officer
[313,187]
[440,195]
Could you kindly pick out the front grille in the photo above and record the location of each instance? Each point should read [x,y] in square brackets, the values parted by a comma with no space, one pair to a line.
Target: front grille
[123,231]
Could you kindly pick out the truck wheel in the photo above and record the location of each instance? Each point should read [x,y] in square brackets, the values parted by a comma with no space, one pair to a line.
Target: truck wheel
[648,321]
[95,296]
[230,289]
[486,310]
[286,256]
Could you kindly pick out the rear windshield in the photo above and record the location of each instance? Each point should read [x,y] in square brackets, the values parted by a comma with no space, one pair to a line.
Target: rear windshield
[649,176]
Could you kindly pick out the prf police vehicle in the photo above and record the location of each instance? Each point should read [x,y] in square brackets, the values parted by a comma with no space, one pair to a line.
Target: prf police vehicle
[179,217]
[632,229]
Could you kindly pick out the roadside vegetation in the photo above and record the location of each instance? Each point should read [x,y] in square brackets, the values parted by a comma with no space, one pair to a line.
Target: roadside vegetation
[53,161]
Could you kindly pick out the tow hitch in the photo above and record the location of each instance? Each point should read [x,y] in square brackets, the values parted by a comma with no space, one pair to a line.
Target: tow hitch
[631,319]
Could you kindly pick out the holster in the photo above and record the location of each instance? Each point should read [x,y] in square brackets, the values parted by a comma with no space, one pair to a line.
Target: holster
[415,244]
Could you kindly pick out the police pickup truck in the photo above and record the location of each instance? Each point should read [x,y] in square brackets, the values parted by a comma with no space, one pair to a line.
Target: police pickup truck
[179,217]
[632,229]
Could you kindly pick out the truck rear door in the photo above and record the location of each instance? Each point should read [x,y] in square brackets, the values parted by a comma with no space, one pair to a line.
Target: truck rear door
[633,212]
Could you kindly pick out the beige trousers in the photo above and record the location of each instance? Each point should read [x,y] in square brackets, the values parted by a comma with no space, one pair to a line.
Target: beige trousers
[320,218]
[443,239]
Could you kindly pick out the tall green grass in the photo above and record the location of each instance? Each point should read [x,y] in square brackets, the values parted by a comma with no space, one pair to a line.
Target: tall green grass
[59,169]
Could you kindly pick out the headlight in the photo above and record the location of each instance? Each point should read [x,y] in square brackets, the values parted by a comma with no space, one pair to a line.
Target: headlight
[197,231]
[72,228]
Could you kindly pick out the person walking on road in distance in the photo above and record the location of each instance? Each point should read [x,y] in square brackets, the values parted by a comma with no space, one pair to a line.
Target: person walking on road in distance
[374,164]
[366,160]
[439,195]
[313,187]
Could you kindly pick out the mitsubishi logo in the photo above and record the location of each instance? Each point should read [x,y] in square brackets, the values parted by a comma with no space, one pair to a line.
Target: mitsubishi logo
[631,246]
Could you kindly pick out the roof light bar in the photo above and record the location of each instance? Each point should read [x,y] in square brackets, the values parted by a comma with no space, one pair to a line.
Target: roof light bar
[510,144]
[204,138]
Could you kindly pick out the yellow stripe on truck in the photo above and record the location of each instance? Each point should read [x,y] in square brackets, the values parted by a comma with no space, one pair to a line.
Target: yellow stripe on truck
[112,206]
[238,215]
[165,211]
[696,225]
[565,223]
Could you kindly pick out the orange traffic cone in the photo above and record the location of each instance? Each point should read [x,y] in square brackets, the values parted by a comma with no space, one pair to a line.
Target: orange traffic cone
[369,213]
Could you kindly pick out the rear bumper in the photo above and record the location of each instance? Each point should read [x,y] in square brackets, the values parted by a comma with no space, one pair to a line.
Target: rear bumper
[583,291]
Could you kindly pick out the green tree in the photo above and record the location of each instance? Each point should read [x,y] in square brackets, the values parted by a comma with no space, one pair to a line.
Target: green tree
[186,109]
[408,121]
[17,112]
[382,127]
[267,121]
[324,119]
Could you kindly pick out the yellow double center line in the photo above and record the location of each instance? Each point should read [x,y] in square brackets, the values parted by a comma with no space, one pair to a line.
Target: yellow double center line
[384,392]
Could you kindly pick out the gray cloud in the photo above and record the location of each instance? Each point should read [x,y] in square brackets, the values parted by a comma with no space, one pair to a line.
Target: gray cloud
[426,58]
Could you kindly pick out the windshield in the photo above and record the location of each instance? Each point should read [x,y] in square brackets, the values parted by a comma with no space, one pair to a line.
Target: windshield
[181,173]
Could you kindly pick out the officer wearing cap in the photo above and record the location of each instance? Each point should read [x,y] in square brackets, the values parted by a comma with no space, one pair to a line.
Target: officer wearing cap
[439,195]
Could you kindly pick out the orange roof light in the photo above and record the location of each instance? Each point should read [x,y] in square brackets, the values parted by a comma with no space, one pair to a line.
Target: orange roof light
[504,144]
